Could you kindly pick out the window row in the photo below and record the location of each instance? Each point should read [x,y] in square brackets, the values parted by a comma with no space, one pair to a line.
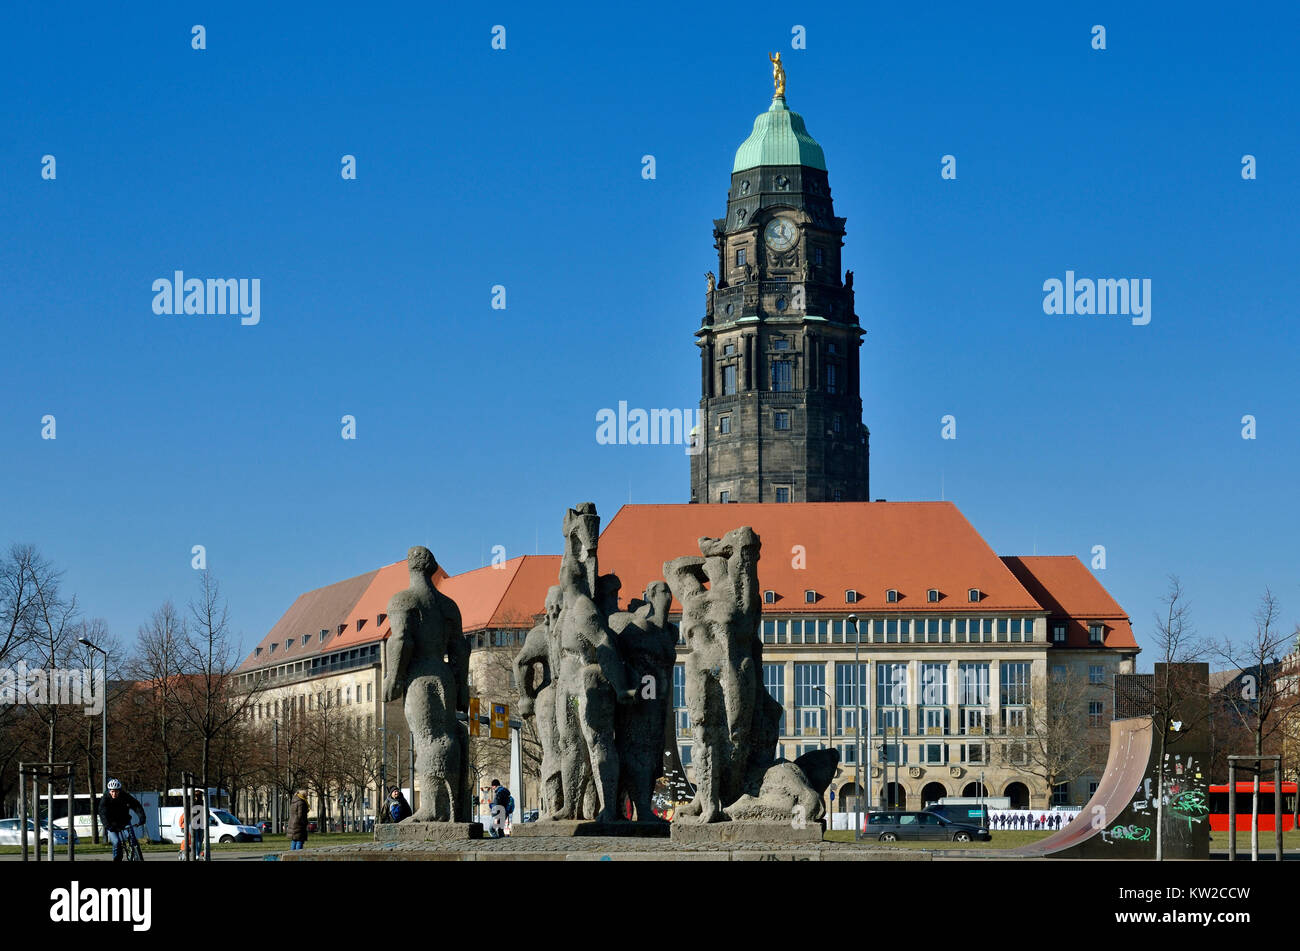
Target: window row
[892,630]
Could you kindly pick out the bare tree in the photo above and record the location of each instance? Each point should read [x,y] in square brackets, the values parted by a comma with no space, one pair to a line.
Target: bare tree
[1055,745]
[204,689]
[52,635]
[158,664]
[1259,697]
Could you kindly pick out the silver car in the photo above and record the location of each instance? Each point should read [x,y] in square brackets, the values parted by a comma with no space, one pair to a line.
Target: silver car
[11,834]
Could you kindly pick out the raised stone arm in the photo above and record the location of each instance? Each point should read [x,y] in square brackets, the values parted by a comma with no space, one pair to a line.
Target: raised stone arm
[404,620]
[533,652]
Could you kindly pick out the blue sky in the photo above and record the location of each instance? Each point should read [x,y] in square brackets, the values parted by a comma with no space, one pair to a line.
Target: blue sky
[522,168]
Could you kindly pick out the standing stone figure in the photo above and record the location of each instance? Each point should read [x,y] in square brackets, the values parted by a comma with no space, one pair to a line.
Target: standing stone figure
[591,679]
[723,667]
[427,661]
[541,649]
[648,644]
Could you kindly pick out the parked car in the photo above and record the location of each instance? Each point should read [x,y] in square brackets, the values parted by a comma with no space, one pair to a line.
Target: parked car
[891,826]
[11,833]
[264,828]
[224,827]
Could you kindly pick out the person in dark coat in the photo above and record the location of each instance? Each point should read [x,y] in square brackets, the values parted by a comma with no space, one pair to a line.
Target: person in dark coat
[500,809]
[115,811]
[398,807]
[296,828]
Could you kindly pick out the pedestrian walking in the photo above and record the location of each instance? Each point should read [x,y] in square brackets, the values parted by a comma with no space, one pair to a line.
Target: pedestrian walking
[297,825]
[502,803]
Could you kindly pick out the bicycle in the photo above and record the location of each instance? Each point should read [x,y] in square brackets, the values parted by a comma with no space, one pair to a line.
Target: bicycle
[132,844]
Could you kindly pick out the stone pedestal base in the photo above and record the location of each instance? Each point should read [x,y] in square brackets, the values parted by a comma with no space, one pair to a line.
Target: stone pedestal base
[428,831]
[584,827]
[695,833]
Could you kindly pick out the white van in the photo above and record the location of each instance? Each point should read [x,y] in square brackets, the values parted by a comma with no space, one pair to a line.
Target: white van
[224,827]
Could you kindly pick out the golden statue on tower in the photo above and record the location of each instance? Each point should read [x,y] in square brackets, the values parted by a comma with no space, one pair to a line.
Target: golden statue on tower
[778,75]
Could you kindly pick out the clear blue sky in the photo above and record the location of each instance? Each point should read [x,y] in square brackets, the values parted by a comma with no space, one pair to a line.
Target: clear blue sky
[522,168]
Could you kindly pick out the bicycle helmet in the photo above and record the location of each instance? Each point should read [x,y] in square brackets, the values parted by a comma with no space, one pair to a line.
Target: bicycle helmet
[114,784]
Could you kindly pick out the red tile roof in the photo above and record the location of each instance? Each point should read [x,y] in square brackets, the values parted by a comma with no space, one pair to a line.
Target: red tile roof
[869,547]
[1067,589]
[509,596]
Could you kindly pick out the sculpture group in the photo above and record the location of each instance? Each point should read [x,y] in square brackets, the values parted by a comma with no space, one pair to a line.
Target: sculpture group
[596,682]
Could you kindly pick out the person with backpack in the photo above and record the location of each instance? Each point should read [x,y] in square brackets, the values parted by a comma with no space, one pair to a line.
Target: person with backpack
[503,804]
[398,808]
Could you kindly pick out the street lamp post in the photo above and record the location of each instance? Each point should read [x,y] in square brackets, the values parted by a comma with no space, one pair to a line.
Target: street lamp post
[858,816]
[103,704]
[830,733]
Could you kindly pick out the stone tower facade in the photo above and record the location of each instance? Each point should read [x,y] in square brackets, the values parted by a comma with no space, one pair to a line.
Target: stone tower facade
[780,406]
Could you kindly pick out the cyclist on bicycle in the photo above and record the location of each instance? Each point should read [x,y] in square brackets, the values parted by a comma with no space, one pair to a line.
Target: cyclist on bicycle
[115,813]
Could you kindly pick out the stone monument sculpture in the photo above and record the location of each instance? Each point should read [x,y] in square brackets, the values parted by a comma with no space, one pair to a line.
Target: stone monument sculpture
[647,642]
[591,680]
[535,671]
[427,663]
[735,722]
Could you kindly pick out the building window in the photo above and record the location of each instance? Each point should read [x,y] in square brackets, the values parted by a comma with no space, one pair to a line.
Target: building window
[891,684]
[891,596]
[774,681]
[1092,788]
[837,496]
[850,596]
[1094,713]
[973,684]
[973,595]
[1058,632]
[934,684]
[679,703]
[740,257]
[810,698]
[932,595]
[1061,794]
[830,348]
[1015,683]
[810,596]
[781,376]
[769,597]
[729,381]
[724,425]
[729,349]
[781,343]
[1095,632]
[783,493]
[1096,674]
[781,420]
[837,424]
[724,496]
[818,256]
[831,378]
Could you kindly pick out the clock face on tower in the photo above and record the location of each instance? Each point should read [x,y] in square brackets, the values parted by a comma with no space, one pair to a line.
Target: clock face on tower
[780,234]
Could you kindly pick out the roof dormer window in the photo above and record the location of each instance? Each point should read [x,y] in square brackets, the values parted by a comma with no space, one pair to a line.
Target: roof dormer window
[850,596]
[810,596]
[932,596]
[891,596]
[769,596]
[973,595]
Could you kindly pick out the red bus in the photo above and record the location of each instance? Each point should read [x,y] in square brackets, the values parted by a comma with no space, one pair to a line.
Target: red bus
[1219,806]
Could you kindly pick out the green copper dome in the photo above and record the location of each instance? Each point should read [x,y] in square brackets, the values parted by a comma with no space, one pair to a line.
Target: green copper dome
[779,138]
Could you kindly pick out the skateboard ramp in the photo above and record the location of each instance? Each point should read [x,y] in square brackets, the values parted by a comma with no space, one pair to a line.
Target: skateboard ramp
[1121,787]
